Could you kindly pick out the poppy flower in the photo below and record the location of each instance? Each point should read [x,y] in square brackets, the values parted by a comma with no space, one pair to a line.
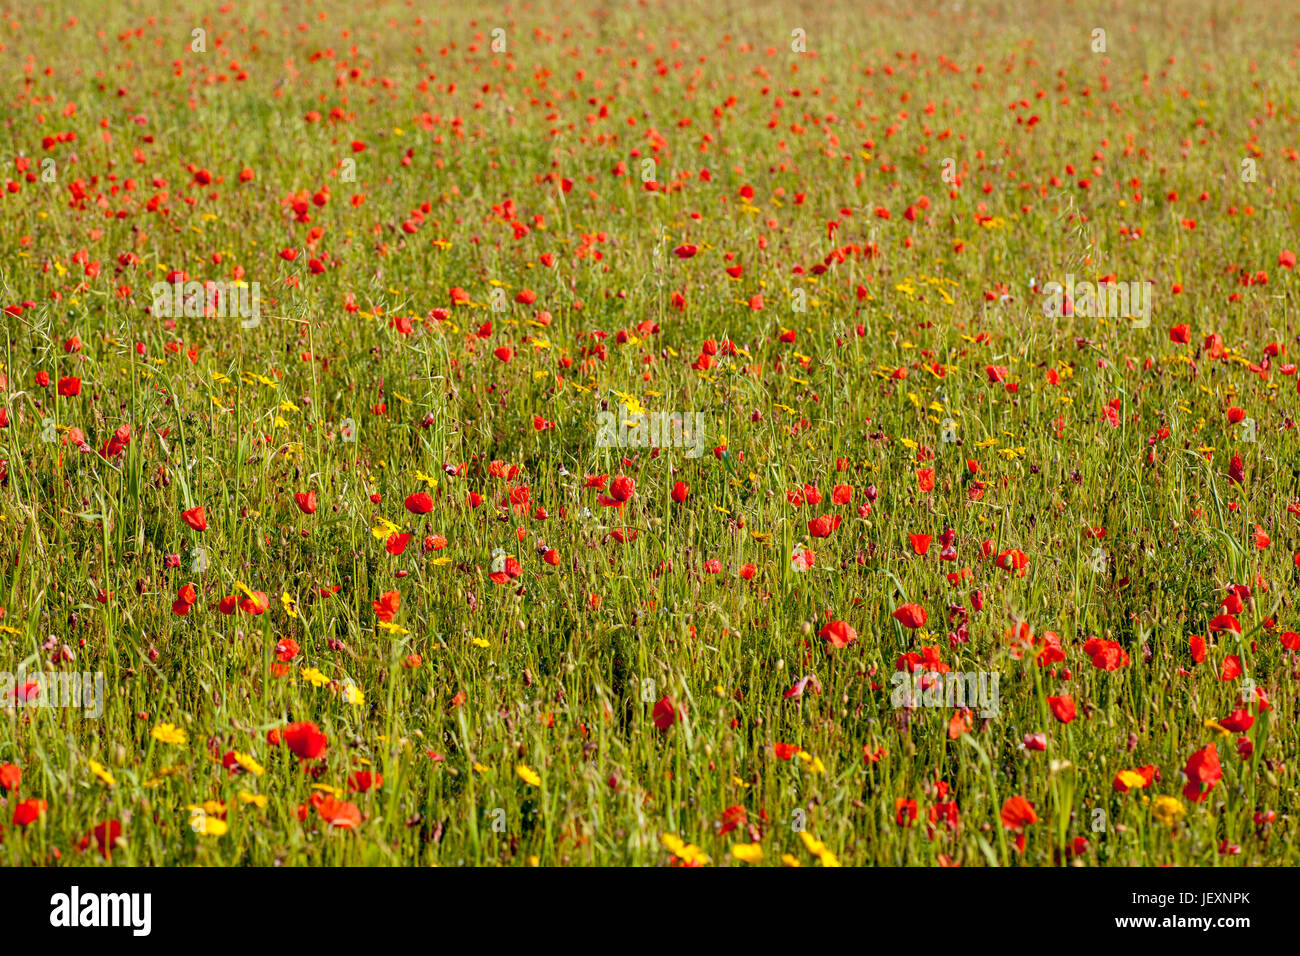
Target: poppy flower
[196,518]
[1013,560]
[621,489]
[911,616]
[785,751]
[387,605]
[664,715]
[396,543]
[69,386]
[925,479]
[824,526]
[1105,655]
[306,502]
[733,817]
[920,543]
[1231,668]
[420,503]
[1138,779]
[363,781]
[838,634]
[904,811]
[1238,722]
[305,740]
[1062,708]
[1203,772]
[339,814]
[1018,813]
[10,777]
[29,811]
[680,491]
[259,603]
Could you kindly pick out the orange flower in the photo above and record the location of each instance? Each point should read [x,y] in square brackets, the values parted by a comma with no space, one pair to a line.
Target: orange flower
[387,605]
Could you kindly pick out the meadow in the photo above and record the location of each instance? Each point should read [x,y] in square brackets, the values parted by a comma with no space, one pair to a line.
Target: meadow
[649,434]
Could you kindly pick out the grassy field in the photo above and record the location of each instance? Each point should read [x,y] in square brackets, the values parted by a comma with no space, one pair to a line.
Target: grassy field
[649,434]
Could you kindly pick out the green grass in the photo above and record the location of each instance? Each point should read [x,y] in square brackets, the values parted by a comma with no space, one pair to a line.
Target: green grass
[558,672]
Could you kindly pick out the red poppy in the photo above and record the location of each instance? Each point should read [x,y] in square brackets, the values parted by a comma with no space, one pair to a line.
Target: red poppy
[1239,721]
[29,811]
[69,386]
[904,811]
[1013,560]
[911,616]
[305,740]
[824,526]
[920,543]
[339,814]
[1203,772]
[10,777]
[420,503]
[1231,669]
[838,634]
[364,780]
[196,518]
[306,502]
[387,605]
[1105,655]
[621,489]
[680,491]
[1062,708]
[733,817]
[665,715]
[1018,813]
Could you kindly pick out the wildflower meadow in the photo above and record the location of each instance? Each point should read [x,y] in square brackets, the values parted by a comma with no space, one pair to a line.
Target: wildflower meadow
[649,434]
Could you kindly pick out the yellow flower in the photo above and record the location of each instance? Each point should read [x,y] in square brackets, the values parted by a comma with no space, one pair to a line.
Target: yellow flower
[290,605]
[686,852]
[353,695]
[748,852]
[788,859]
[249,764]
[814,764]
[1168,810]
[257,799]
[1134,781]
[480,642]
[818,849]
[528,775]
[208,826]
[99,771]
[170,734]
[314,676]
